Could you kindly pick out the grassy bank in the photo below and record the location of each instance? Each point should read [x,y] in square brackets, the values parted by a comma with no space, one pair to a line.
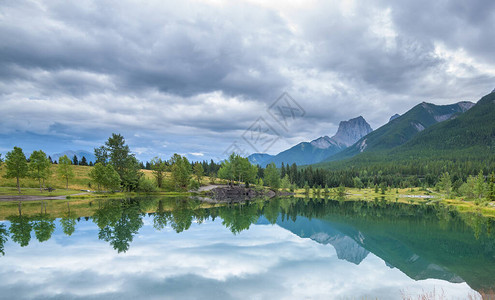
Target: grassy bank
[408,195]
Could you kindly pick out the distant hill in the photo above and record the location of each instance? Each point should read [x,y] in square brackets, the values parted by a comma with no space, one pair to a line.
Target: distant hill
[306,153]
[401,129]
[79,153]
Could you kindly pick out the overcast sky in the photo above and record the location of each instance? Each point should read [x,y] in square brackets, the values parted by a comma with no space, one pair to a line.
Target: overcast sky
[191,76]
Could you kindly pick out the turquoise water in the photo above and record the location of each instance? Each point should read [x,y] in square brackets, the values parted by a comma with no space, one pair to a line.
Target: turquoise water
[162,248]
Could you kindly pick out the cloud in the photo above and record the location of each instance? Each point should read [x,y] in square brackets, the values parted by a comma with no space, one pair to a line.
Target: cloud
[205,70]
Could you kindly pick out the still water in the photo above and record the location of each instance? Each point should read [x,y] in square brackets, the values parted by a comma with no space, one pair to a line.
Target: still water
[159,248]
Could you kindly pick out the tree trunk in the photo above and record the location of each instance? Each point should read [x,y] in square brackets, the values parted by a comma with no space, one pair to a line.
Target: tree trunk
[41,190]
[67,184]
[18,186]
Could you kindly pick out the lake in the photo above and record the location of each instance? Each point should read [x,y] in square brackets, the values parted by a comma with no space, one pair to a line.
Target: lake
[284,248]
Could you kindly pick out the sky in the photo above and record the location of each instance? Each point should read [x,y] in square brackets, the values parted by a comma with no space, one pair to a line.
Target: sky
[204,78]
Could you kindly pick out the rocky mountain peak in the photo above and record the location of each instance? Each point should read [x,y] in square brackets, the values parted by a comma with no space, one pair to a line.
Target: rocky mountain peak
[394,117]
[351,131]
[465,105]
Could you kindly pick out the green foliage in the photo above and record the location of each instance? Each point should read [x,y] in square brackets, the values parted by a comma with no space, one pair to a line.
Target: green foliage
[285,183]
[194,185]
[105,177]
[358,183]
[68,223]
[43,227]
[199,172]
[20,229]
[39,166]
[146,185]
[272,176]
[341,191]
[118,154]
[213,178]
[479,189]
[64,169]
[16,164]
[238,168]
[491,187]
[383,187]
[4,233]
[159,167]
[445,184]
[181,171]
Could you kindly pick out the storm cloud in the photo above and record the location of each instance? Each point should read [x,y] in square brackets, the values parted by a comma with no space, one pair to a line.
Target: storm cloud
[191,76]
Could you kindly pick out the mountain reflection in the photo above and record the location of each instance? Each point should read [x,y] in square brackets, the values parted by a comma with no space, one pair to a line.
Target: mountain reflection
[422,241]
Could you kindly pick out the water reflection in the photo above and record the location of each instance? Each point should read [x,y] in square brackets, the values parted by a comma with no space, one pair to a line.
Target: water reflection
[421,241]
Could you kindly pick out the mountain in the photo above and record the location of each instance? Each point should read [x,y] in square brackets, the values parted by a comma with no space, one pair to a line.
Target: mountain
[259,158]
[306,153]
[401,129]
[79,153]
[324,233]
[393,117]
[472,132]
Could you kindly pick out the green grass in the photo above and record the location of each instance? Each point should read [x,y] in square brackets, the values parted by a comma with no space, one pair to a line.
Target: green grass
[12,191]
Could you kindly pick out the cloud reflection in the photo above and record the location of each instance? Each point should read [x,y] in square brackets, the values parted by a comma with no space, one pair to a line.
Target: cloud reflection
[206,261]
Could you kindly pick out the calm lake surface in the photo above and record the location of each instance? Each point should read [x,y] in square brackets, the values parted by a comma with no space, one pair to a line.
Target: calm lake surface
[175,248]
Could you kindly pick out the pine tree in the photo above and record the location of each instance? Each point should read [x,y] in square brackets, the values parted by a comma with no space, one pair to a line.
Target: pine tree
[75,161]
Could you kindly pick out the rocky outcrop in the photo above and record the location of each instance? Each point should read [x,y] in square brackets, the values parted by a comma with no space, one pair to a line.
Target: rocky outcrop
[351,131]
[238,193]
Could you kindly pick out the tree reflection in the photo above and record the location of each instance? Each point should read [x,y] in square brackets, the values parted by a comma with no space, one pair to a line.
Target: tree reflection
[43,226]
[119,221]
[20,229]
[3,237]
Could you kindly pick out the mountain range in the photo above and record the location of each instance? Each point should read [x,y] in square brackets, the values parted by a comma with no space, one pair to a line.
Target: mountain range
[79,153]
[355,136]
[306,153]
[401,129]
[467,134]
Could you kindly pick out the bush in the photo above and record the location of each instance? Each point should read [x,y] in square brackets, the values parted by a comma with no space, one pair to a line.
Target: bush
[194,185]
[146,186]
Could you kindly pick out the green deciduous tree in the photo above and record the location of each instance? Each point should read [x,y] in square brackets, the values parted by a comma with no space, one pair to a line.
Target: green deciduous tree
[272,176]
[285,183]
[358,183]
[117,153]
[65,170]
[181,171]
[198,172]
[238,168]
[159,167]
[39,167]
[104,176]
[16,164]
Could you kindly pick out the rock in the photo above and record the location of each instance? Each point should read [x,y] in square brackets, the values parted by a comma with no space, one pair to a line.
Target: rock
[238,193]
